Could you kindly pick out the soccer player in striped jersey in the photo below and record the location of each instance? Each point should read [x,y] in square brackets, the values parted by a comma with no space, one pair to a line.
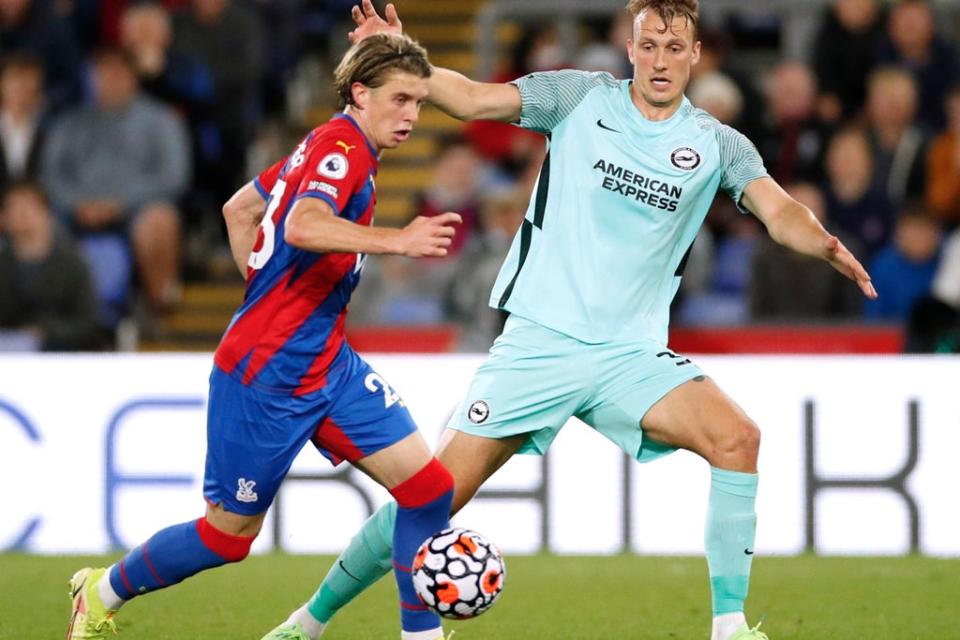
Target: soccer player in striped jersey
[283,374]
[630,173]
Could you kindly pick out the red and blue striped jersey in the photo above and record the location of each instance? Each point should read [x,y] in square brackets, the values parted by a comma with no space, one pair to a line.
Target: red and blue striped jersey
[289,328]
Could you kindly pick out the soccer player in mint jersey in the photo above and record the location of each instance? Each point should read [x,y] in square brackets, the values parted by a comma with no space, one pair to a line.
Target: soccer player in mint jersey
[631,170]
[283,374]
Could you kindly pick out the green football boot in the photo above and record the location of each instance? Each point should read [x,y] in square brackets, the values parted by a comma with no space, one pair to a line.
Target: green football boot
[746,633]
[90,620]
[287,631]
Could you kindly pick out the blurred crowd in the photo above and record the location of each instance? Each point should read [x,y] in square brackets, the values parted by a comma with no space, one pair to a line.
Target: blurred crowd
[124,125]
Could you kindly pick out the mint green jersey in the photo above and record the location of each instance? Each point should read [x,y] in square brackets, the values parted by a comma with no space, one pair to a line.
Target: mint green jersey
[617,206]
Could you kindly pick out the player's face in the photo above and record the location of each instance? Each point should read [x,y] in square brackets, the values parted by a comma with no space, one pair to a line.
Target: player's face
[663,56]
[394,107]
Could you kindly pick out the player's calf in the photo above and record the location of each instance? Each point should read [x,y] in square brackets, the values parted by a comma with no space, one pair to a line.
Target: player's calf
[423,503]
[169,557]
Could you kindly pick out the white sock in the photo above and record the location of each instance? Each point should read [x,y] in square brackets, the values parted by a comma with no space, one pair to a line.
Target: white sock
[726,625]
[108,596]
[429,634]
[313,627]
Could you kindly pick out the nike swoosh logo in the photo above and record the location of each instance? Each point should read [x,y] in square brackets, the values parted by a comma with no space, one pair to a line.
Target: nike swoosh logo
[603,126]
[347,572]
[748,552]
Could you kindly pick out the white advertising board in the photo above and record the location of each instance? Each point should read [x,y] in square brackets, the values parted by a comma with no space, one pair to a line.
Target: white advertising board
[858,457]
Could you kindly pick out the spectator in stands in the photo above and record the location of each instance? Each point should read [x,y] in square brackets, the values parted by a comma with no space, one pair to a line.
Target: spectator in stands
[46,297]
[897,143]
[854,204]
[903,271]
[468,294]
[914,45]
[227,38]
[399,291]
[946,282]
[715,49]
[33,27]
[718,95]
[22,122]
[120,165]
[146,34]
[788,287]
[943,166]
[794,137]
[728,255]
[934,324]
[845,51]
[454,186]
[510,147]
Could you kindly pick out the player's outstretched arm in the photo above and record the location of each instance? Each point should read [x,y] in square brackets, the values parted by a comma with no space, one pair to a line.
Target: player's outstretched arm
[794,225]
[242,214]
[452,92]
[311,225]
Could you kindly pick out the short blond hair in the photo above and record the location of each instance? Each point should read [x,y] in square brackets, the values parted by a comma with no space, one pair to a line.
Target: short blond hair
[669,10]
[371,60]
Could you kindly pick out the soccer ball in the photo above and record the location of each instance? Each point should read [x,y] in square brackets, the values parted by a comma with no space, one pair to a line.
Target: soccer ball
[458,573]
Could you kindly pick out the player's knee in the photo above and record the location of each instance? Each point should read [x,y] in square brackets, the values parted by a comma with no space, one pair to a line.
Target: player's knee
[430,483]
[745,438]
[230,547]
[738,445]
[749,438]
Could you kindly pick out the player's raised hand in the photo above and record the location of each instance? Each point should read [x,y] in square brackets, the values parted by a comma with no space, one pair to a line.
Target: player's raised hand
[429,236]
[370,23]
[844,262]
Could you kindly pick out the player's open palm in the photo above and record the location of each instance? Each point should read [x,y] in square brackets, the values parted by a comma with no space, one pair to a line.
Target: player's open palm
[370,23]
[429,236]
[844,262]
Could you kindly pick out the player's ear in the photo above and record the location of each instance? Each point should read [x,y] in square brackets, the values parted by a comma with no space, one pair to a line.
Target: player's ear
[361,94]
[630,51]
[696,53]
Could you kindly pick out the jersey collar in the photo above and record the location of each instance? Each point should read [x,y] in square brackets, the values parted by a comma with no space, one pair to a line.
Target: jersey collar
[344,116]
[639,122]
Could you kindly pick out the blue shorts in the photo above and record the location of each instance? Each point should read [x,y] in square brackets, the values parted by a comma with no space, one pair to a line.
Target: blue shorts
[254,434]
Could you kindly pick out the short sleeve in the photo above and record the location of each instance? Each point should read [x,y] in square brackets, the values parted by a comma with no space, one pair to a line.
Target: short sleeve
[740,163]
[546,98]
[334,171]
[267,178]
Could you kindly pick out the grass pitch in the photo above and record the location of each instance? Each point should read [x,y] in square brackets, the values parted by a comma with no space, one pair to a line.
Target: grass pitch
[546,597]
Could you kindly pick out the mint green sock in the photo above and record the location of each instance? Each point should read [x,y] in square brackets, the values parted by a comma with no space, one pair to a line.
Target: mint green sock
[367,559]
[730,532]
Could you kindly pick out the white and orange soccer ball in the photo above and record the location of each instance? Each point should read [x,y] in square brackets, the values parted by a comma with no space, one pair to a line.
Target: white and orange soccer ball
[458,573]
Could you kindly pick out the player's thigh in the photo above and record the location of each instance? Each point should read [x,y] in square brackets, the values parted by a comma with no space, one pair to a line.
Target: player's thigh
[472,459]
[699,416]
[530,385]
[632,378]
[369,425]
[252,439]
[398,462]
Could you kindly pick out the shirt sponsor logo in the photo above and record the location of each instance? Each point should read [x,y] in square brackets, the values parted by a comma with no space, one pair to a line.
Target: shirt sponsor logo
[478,412]
[334,165]
[685,158]
[630,184]
[329,189]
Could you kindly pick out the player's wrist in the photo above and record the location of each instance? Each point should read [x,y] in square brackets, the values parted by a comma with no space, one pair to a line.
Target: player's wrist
[396,242]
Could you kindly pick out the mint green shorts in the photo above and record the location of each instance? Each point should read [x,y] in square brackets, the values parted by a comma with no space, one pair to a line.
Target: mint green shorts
[535,379]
